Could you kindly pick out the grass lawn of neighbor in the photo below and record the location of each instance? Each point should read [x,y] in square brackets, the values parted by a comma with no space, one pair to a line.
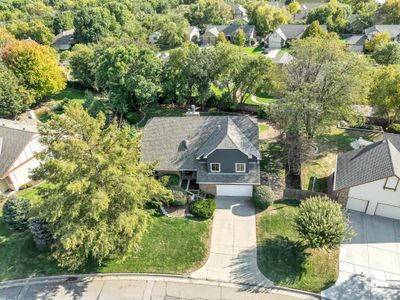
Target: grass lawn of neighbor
[285,259]
[254,50]
[329,145]
[173,246]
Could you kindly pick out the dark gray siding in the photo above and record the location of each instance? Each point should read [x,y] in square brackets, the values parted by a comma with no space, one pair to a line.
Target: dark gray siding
[227,159]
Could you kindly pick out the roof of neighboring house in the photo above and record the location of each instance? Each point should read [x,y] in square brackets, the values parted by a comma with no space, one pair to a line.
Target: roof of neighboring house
[356,39]
[305,8]
[177,142]
[230,30]
[292,31]
[193,28]
[282,58]
[64,38]
[370,163]
[239,7]
[393,30]
[13,142]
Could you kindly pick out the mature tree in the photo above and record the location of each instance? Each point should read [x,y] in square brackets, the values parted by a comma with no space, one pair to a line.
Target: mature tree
[35,66]
[209,12]
[130,76]
[97,187]
[173,30]
[240,38]
[63,21]
[391,11]
[35,30]
[93,23]
[221,38]
[387,54]
[317,89]
[14,98]
[385,92]
[334,14]
[294,7]
[188,74]
[322,223]
[5,38]
[379,40]
[83,63]
[238,74]
[267,17]
[314,30]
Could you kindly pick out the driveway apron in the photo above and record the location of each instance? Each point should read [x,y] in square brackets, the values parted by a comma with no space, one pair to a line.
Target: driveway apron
[233,253]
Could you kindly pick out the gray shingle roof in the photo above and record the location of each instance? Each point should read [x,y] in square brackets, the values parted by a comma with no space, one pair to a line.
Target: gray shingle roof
[374,162]
[13,143]
[230,30]
[165,139]
[293,31]
[393,30]
[64,38]
[356,39]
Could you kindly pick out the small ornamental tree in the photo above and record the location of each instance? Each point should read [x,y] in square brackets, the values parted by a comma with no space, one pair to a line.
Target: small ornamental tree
[322,222]
[314,30]
[221,38]
[15,213]
[240,38]
[263,197]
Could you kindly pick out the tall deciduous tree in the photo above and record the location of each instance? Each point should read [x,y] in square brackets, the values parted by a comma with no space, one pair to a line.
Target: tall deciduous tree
[35,66]
[391,10]
[267,17]
[387,54]
[35,30]
[209,12]
[334,14]
[130,76]
[385,92]
[314,30]
[5,38]
[97,188]
[317,89]
[240,38]
[379,40]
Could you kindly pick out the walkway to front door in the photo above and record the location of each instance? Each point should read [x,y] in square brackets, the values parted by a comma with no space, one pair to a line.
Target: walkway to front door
[233,256]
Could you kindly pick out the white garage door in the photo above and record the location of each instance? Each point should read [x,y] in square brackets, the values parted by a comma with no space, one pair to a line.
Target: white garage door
[388,211]
[357,204]
[235,190]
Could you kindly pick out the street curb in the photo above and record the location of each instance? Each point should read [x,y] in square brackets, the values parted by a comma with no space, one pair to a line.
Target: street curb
[148,277]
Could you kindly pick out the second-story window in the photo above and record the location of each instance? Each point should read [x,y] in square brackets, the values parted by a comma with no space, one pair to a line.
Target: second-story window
[240,167]
[215,167]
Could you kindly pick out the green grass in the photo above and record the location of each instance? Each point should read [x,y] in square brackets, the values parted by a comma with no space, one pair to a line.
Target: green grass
[253,50]
[161,111]
[173,246]
[262,127]
[71,94]
[285,259]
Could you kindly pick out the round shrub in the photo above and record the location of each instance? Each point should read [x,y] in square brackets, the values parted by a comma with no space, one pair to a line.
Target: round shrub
[179,197]
[203,209]
[395,128]
[322,222]
[40,233]
[133,117]
[263,197]
[15,213]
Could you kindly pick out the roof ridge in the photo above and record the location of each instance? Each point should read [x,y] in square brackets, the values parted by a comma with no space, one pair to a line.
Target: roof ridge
[391,149]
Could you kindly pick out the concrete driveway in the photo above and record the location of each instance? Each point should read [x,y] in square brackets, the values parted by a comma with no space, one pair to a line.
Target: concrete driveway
[369,265]
[233,253]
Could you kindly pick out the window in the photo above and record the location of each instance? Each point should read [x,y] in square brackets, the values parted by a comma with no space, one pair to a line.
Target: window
[391,183]
[240,167]
[215,167]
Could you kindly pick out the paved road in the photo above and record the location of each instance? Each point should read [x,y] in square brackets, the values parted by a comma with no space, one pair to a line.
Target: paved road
[142,288]
[233,252]
[369,265]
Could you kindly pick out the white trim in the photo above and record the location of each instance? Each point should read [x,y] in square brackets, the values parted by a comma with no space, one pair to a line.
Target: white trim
[225,183]
[219,167]
[236,167]
[206,156]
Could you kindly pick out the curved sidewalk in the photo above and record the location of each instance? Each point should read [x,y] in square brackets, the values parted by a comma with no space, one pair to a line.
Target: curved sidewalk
[138,286]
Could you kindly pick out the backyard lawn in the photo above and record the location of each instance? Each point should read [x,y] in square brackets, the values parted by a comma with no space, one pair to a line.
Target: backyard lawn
[329,145]
[285,259]
[173,246]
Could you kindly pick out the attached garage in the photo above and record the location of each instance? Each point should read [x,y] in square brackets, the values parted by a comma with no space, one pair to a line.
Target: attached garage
[357,204]
[235,190]
[388,211]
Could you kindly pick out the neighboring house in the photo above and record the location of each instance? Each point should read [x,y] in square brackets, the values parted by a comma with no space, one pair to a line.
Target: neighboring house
[219,154]
[305,9]
[210,36]
[64,40]
[154,37]
[282,58]
[367,179]
[393,30]
[355,42]
[19,144]
[193,34]
[239,13]
[284,34]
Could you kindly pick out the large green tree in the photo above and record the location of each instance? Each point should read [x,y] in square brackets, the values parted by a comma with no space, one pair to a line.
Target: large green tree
[35,66]
[317,89]
[131,76]
[35,30]
[391,11]
[96,188]
[205,12]
[267,17]
[387,54]
[334,14]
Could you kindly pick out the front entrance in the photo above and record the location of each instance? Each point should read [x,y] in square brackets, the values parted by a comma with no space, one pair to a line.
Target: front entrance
[235,190]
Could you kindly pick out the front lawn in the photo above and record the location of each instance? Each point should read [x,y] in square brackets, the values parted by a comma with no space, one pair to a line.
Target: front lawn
[253,50]
[285,259]
[173,246]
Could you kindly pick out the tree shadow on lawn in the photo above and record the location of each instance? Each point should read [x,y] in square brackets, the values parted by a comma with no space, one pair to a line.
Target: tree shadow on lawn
[282,260]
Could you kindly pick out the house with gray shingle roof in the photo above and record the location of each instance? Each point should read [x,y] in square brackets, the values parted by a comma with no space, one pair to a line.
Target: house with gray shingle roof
[210,36]
[19,145]
[64,40]
[367,179]
[392,30]
[219,154]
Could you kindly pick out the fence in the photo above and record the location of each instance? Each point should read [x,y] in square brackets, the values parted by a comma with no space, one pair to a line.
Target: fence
[300,194]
